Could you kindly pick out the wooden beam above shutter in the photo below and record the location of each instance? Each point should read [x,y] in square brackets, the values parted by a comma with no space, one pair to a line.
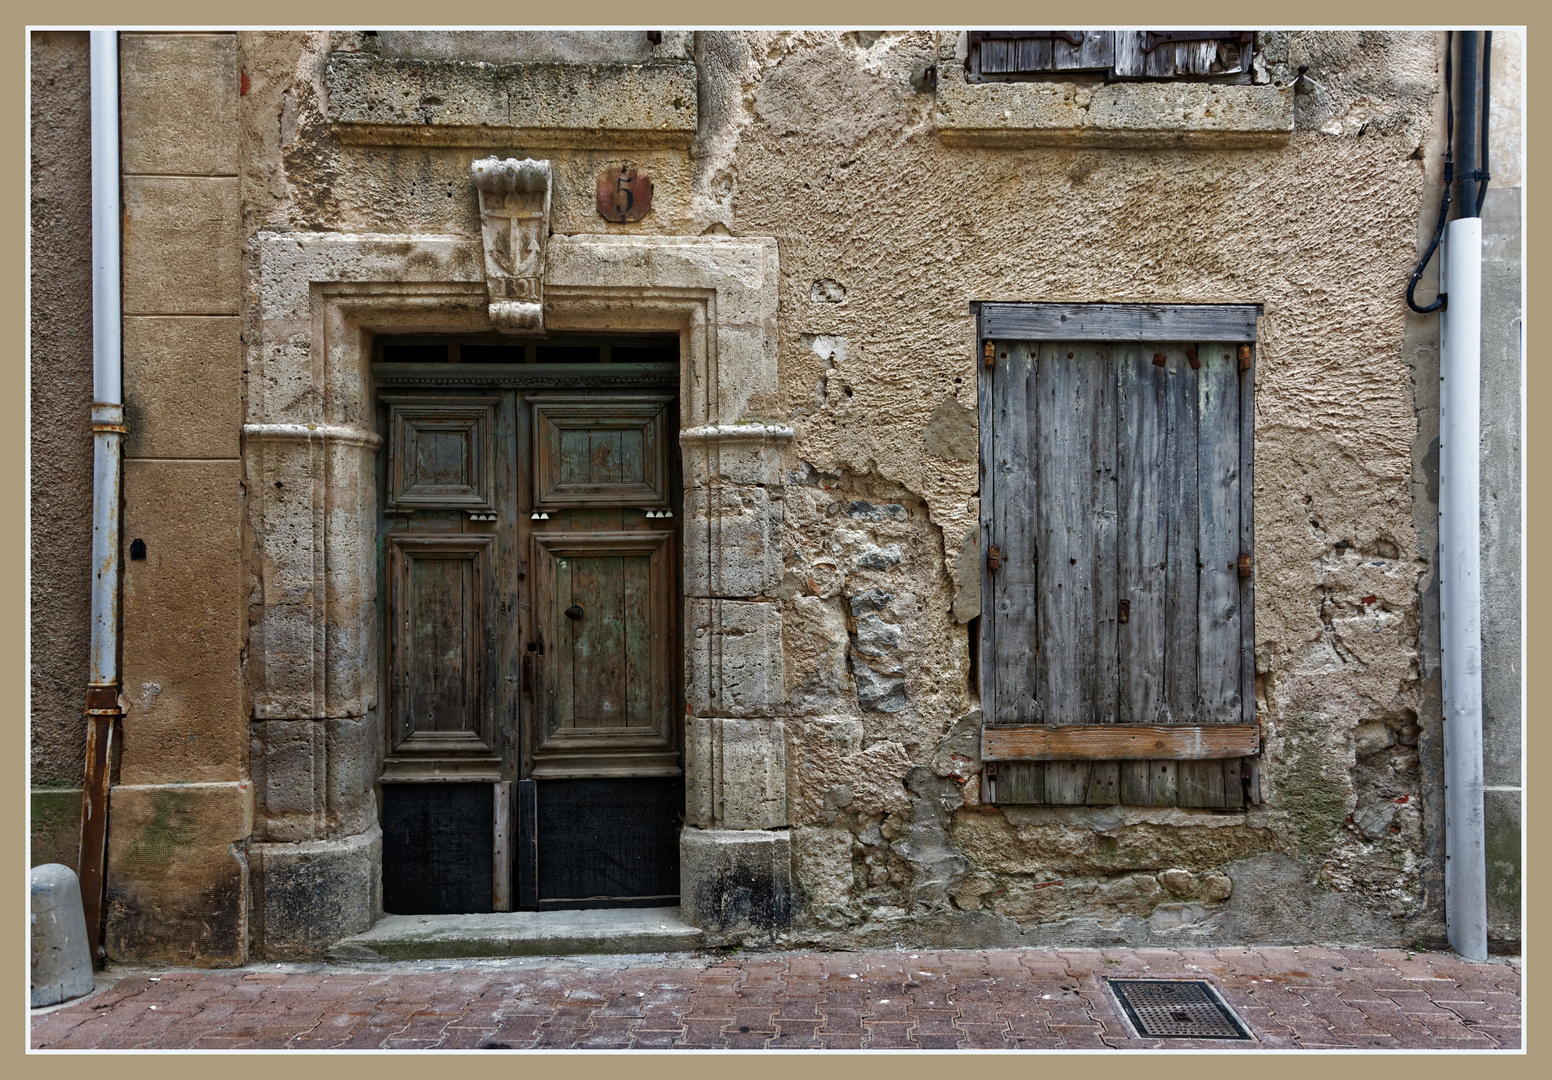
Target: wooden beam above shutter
[1120,742]
[1120,322]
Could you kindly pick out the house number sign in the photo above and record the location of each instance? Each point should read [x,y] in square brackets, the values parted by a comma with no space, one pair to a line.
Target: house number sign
[624,194]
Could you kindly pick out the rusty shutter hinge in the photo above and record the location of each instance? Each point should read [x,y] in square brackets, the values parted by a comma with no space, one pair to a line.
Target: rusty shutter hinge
[990,352]
[1192,358]
[1244,565]
[993,557]
[1124,610]
[1244,357]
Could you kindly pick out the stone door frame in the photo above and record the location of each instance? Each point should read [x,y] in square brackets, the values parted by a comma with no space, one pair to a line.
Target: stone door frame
[309,452]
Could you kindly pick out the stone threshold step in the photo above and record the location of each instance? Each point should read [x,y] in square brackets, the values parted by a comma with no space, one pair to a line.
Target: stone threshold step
[521,933]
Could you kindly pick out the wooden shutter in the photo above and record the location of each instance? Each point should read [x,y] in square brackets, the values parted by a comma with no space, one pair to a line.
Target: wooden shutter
[1218,55]
[1117,623]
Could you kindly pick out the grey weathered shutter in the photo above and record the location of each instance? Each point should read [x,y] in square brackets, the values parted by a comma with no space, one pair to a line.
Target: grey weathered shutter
[1124,54]
[1117,623]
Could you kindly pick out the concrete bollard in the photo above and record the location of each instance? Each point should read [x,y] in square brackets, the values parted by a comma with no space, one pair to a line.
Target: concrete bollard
[61,953]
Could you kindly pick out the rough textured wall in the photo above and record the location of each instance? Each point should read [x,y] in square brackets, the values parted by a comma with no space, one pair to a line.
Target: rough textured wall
[826,142]
[61,398]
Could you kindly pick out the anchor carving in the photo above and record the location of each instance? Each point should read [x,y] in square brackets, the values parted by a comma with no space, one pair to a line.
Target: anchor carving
[515,225]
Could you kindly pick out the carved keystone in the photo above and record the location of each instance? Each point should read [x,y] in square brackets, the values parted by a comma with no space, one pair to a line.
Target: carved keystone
[515,221]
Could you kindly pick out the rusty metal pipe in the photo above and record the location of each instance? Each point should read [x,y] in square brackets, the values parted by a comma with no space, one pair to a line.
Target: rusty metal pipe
[102,691]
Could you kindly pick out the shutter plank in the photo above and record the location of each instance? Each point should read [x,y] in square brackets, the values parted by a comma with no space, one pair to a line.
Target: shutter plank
[1016,493]
[1056,678]
[1119,322]
[1129,57]
[1148,783]
[1247,542]
[1021,783]
[1104,784]
[1142,559]
[1067,782]
[1199,57]
[1034,55]
[1201,783]
[1076,537]
[1218,638]
[995,57]
[986,440]
[1180,496]
[1115,742]
[1103,497]
[1142,536]
[1164,783]
[1098,49]
[1218,451]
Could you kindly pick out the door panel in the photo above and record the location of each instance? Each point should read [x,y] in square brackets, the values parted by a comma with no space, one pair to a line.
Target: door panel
[602,843]
[441,452]
[437,644]
[599,451]
[605,696]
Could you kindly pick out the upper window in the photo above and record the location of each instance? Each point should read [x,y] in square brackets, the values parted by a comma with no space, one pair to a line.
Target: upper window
[1011,55]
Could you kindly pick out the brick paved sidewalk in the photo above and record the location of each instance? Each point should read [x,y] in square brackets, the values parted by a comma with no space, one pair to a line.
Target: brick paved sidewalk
[992,999]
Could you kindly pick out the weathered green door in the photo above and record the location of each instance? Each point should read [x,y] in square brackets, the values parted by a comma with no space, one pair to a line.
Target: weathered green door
[529,543]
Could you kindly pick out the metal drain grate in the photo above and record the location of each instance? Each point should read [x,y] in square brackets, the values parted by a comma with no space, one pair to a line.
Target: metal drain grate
[1177,1009]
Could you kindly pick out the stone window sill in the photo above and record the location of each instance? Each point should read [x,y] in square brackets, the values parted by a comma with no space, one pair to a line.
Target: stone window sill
[1151,115]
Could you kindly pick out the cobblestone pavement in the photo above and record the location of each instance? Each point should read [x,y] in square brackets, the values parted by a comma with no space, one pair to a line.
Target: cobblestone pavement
[1036,999]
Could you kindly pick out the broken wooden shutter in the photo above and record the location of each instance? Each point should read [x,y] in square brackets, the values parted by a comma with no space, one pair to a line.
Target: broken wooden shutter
[1003,55]
[1117,622]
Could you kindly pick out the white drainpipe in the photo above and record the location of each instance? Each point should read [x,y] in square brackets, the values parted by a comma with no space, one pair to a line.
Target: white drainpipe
[102,690]
[1460,586]
[107,370]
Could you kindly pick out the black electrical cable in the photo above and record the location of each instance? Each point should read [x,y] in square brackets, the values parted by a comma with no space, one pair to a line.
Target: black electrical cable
[1449,181]
[1487,112]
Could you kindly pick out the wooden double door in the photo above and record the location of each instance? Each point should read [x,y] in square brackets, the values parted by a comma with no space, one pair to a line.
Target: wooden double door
[530,584]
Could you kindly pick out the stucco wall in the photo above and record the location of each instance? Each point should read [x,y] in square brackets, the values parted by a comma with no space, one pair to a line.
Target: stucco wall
[828,142]
[61,398]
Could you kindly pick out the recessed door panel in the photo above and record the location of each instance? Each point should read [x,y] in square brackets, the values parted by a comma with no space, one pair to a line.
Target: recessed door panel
[599,452]
[441,452]
[437,645]
[605,697]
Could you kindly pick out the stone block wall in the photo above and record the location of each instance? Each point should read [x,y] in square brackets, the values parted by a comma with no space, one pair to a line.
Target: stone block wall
[181,812]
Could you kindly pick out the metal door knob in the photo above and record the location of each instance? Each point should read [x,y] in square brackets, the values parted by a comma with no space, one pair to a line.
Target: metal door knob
[574,612]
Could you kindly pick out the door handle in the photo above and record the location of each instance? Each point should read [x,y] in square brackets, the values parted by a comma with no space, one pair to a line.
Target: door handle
[574,612]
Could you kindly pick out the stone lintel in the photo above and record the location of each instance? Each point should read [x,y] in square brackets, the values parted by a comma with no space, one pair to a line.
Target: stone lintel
[385,101]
